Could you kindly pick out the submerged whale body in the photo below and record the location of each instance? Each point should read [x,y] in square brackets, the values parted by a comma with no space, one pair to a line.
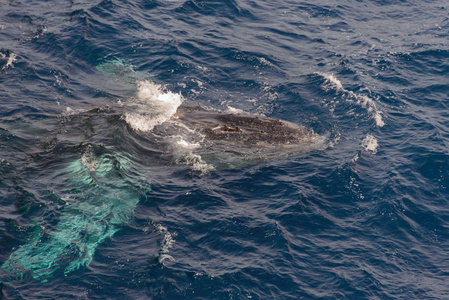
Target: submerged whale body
[243,128]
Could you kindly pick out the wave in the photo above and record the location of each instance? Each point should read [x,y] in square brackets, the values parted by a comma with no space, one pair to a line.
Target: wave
[331,82]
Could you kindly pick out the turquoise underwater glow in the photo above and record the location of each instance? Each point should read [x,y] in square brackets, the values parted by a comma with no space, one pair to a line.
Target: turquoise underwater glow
[96,202]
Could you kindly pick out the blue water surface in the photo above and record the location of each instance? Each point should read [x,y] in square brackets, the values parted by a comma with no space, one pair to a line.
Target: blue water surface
[92,208]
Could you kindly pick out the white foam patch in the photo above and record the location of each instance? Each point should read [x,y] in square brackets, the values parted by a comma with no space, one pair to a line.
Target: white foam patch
[370,144]
[234,110]
[198,164]
[264,61]
[152,106]
[167,242]
[187,145]
[183,152]
[331,82]
[10,59]
[269,92]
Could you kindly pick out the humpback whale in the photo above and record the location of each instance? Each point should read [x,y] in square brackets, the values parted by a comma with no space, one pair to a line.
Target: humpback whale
[154,105]
[96,157]
[243,128]
[208,139]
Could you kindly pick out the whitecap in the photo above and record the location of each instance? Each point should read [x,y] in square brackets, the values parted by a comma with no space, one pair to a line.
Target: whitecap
[332,83]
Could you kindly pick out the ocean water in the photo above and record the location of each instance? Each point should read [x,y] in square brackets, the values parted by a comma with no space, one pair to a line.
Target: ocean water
[104,195]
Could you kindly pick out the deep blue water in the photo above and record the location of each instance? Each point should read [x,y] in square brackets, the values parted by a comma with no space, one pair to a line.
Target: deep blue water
[92,207]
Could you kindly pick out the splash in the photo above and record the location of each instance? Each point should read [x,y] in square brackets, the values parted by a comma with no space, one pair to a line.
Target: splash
[331,82]
[193,135]
[152,106]
[97,201]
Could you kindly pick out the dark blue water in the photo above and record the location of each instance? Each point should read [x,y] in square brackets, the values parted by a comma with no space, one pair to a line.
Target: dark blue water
[95,207]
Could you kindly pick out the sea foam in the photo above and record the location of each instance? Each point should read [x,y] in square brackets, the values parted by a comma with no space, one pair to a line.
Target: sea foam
[331,82]
[8,58]
[370,144]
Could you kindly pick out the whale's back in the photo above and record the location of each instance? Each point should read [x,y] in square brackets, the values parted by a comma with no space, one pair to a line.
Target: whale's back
[246,129]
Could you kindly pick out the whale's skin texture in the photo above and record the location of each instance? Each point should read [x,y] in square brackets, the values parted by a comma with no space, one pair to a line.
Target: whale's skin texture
[243,128]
